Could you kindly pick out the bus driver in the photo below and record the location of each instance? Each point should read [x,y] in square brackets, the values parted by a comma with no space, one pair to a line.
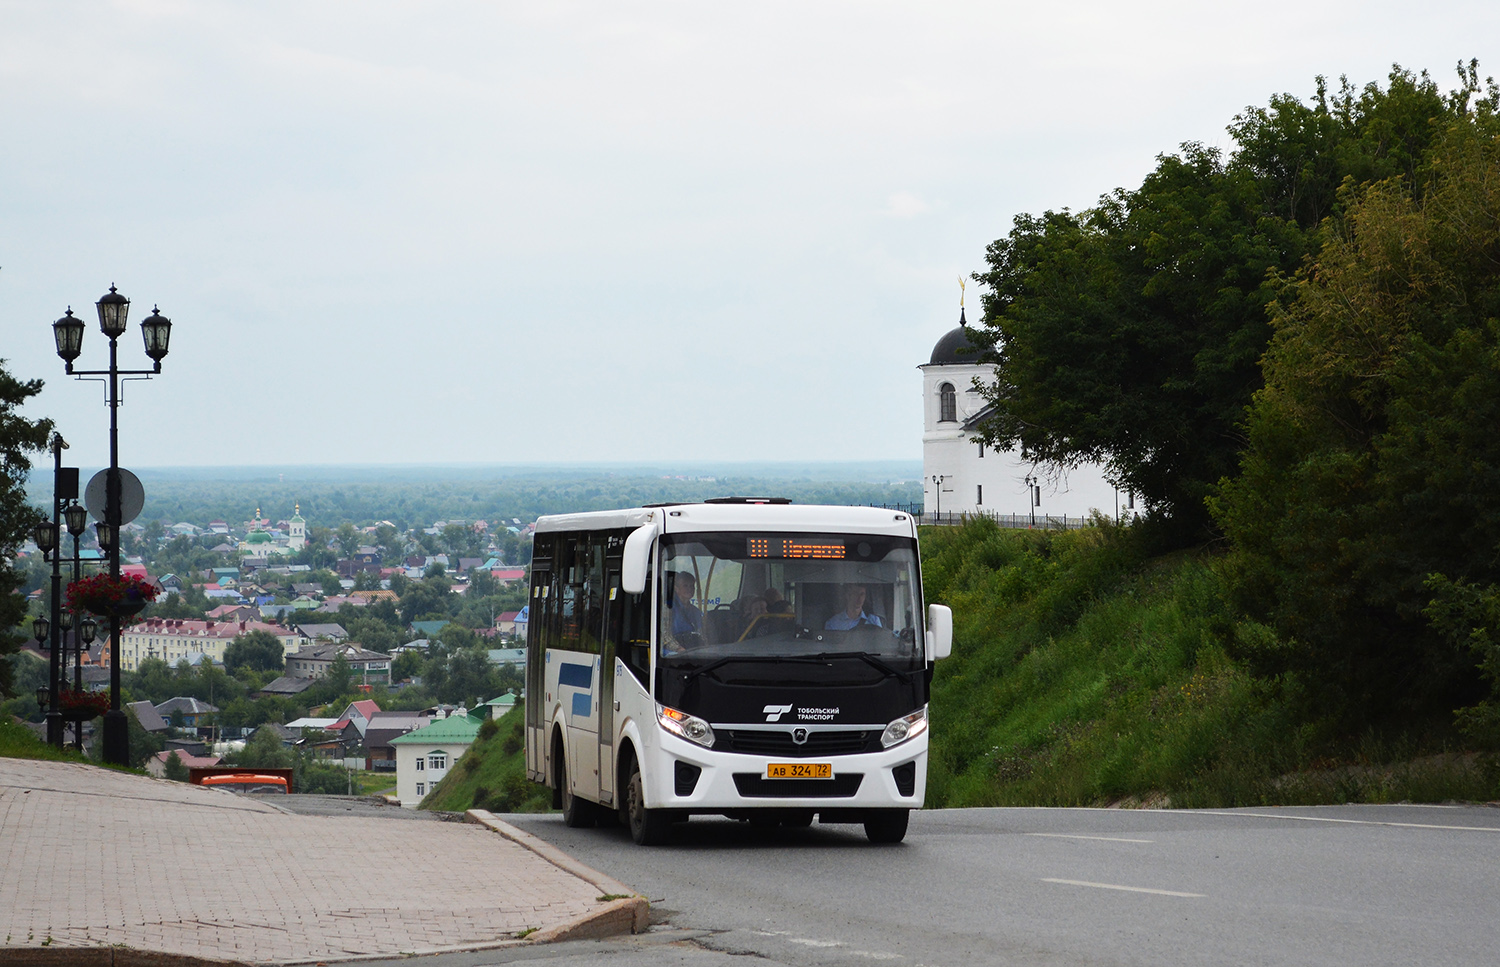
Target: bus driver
[854,613]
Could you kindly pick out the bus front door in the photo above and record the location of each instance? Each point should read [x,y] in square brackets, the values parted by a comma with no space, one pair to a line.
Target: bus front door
[614,600]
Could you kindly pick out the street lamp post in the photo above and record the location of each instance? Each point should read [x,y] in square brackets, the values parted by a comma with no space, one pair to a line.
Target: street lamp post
[77,518]
[156,330]
[47,537]
[1033,496]
[937,490]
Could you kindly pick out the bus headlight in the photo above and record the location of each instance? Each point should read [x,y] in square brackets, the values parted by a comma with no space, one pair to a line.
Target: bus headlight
[690,727]
[904,728]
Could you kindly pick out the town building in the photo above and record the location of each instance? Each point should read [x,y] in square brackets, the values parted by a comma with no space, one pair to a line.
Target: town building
[171,639]
[313,661]
[191,711]
[424,757]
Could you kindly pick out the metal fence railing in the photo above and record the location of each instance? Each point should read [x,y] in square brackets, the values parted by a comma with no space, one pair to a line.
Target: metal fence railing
[1013,521]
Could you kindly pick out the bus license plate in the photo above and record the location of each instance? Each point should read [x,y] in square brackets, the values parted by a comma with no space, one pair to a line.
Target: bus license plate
[799,770]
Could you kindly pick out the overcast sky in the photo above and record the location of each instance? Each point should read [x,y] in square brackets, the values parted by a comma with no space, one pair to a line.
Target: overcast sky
[555,232]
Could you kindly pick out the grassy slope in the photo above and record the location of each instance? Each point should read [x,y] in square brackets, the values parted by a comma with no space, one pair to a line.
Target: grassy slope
[1084,674]
[492,774]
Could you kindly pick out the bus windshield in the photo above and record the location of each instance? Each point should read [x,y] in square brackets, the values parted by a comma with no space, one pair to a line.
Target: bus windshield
[755,595]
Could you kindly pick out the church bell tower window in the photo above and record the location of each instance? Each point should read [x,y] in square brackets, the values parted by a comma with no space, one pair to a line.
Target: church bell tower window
[947,404]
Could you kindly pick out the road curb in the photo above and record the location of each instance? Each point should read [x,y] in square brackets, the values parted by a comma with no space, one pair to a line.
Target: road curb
[102,957]
[626,912]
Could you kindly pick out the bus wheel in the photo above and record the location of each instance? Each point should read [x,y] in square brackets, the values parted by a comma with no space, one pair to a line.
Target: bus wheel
[886,825]
[648,827]
[576,812]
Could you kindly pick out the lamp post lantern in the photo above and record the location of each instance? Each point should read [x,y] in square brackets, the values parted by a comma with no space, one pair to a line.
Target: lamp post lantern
[156,331]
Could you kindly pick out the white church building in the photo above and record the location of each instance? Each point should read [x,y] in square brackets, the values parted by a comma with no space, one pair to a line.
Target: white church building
[962,475]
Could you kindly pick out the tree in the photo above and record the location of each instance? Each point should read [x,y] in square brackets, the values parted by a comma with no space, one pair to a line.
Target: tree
[1366,515]
[406,665]
[143,745]
[348,539]
[259,650]
[19,437]
[371,633]
[427,596]
[482,584]
[1131,333]
[265,751]
[175,770]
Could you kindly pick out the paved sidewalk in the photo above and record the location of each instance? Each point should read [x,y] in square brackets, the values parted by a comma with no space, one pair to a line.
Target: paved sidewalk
[95,859]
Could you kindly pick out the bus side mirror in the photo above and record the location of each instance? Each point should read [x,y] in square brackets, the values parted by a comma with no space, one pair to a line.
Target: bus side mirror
[636,560]
[939,631]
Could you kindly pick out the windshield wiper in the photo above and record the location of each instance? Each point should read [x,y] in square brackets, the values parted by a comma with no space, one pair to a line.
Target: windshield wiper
[873,661]
[776,659]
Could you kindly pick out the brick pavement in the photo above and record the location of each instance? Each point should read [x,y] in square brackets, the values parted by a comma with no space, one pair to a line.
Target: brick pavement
[94,858]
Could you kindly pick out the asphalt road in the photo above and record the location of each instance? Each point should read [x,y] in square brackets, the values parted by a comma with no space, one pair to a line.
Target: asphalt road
[1363,885]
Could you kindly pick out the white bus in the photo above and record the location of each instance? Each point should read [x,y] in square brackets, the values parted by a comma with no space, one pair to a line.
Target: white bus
[739,657]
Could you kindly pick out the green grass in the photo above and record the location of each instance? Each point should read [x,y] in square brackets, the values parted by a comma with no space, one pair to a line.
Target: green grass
[368,783]
[1085,673]
[492,774]
[18,742]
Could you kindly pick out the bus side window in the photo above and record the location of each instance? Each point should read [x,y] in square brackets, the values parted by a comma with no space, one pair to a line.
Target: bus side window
[630,628]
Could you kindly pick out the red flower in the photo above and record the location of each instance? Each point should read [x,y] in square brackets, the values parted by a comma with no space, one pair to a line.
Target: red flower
[101,593]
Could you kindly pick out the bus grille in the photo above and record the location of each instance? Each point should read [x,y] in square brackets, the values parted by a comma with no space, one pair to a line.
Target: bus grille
[757,742]
[753,785]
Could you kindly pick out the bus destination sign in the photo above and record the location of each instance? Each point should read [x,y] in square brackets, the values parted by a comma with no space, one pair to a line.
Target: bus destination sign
[820,548]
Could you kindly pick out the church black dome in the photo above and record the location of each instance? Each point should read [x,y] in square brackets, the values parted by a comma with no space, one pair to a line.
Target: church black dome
[947,351]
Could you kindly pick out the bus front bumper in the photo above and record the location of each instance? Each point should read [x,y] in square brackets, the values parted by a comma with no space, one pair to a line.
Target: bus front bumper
[693,779]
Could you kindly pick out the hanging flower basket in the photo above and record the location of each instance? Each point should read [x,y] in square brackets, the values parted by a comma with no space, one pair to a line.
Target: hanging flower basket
[81,706]
[108,596]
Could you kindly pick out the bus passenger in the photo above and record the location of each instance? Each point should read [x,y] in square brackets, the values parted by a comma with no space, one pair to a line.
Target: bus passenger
[854,613]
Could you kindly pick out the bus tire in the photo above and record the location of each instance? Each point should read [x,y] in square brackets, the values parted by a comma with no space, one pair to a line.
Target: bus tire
[577,813]
[648,827]
[886,825]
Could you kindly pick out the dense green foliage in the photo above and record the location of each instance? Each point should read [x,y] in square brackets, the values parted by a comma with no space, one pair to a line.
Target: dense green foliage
[1085,673]
[492,773]
[259,651]
[1131,333]
[19,438]
[1368,498]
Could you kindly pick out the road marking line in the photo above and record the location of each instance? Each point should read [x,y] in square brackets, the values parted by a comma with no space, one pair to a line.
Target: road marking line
[815,943]
[1107,839]
[1355,822]
[1115,886]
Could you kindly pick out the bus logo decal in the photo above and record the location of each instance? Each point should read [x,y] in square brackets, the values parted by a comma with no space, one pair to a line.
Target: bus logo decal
[775,712]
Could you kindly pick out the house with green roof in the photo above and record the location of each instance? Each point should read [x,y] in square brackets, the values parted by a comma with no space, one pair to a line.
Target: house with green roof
[423,757]
[428,629]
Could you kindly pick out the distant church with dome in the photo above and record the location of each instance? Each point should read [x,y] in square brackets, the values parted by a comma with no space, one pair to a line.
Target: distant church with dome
[963,475]
[262,542]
